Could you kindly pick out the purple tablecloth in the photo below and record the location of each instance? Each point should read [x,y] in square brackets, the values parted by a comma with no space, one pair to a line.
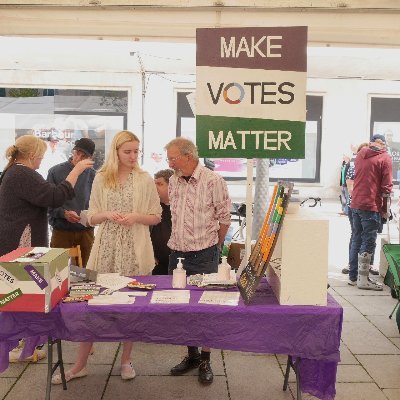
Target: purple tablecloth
[309,332]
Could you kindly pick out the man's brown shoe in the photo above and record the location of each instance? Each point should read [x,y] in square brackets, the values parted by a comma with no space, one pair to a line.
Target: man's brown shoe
[187,364]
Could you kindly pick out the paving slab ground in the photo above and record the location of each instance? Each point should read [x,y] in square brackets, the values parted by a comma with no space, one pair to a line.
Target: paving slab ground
[369,367]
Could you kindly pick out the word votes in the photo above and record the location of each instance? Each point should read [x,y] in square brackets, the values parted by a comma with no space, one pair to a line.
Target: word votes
[260,92]
[6,276]
[266,46]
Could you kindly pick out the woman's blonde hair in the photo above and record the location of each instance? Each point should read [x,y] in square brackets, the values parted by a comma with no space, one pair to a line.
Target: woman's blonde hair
[25,146]
[109,169]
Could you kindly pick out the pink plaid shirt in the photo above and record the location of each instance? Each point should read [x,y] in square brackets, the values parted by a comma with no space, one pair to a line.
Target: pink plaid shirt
[197,209]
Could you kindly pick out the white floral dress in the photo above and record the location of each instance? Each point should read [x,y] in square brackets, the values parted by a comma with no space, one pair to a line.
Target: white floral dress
[117,250]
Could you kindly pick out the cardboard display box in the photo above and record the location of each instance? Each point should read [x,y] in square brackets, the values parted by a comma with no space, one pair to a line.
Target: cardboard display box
[298,271]
[33,279]
[237,250]
[236,253]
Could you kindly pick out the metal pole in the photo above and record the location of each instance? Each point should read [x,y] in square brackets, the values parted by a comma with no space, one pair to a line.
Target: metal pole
[143,75]
[260,196]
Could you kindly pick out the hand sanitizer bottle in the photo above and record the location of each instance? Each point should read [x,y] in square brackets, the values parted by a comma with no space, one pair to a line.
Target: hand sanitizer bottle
[179,276]
[224,270]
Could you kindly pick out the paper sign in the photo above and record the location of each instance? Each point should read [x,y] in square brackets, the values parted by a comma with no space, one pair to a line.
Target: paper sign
[112,281]
[170,297]
[58,278]
[110,300]
[8,278]
[212,279]
[220,298]
[8,298]
[36,277]
[251,92]
[135,293]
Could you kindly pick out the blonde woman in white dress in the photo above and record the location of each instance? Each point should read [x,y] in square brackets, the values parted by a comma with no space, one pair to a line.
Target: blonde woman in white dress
[123,203]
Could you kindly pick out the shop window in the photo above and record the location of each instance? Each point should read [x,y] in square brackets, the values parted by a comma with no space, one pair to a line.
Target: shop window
[385,120]
[61,116]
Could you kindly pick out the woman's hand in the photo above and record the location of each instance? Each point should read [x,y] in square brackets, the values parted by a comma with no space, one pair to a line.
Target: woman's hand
[83,164]
[129,219]
[114,216]
[78,169]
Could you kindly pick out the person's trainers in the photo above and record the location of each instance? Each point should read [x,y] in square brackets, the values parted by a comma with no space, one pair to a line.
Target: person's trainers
[371,285]
[345,271]
[187,364]
[127,371]
[352,283]
[206,375]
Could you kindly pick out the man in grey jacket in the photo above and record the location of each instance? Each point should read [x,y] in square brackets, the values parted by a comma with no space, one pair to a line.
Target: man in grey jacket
[66,220]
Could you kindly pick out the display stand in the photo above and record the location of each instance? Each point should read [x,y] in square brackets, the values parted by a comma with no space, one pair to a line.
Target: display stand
[298,269]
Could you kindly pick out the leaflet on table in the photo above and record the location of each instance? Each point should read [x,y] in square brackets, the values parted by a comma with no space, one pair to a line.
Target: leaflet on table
[135,293]
[110,300]
[81,290]
[78,274]
[126,295]
[220,298]
[211,279]
[170,297]
[113,280]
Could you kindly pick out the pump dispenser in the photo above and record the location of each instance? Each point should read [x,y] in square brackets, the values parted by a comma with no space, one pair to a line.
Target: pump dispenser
[224,270]
[179,276]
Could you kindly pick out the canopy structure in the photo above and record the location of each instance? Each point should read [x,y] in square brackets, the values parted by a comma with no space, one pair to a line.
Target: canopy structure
[352,23]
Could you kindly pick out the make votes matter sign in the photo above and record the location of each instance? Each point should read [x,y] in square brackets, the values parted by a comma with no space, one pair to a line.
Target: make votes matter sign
[251,92]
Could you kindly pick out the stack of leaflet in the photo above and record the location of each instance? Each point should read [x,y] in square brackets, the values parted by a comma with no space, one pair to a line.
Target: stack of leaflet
[84,290]
[212,280]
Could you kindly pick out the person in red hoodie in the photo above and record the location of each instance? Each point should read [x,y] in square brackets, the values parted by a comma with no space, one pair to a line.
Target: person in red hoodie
[371,191]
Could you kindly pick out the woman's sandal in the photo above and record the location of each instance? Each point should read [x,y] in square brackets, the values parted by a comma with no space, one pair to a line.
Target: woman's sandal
[56,379]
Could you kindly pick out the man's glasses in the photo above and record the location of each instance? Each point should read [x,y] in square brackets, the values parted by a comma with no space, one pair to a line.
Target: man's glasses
[173,159]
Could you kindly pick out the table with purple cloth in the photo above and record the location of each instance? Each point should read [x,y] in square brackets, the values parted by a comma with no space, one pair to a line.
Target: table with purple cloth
[309,333]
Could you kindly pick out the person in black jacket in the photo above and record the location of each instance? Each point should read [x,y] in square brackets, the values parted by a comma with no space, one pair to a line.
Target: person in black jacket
[69,229]
[161,233]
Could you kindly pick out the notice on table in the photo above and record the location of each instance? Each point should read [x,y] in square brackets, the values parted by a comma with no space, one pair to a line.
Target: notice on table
[113,281]
[220,298]
[213,279]
[110,300]
[170,297]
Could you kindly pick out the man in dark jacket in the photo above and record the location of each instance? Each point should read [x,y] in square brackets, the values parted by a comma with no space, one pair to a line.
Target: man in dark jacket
[68,231]
[161,232]
[372,187]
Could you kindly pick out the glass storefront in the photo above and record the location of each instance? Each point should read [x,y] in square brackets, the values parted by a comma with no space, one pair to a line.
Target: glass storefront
[61,117]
